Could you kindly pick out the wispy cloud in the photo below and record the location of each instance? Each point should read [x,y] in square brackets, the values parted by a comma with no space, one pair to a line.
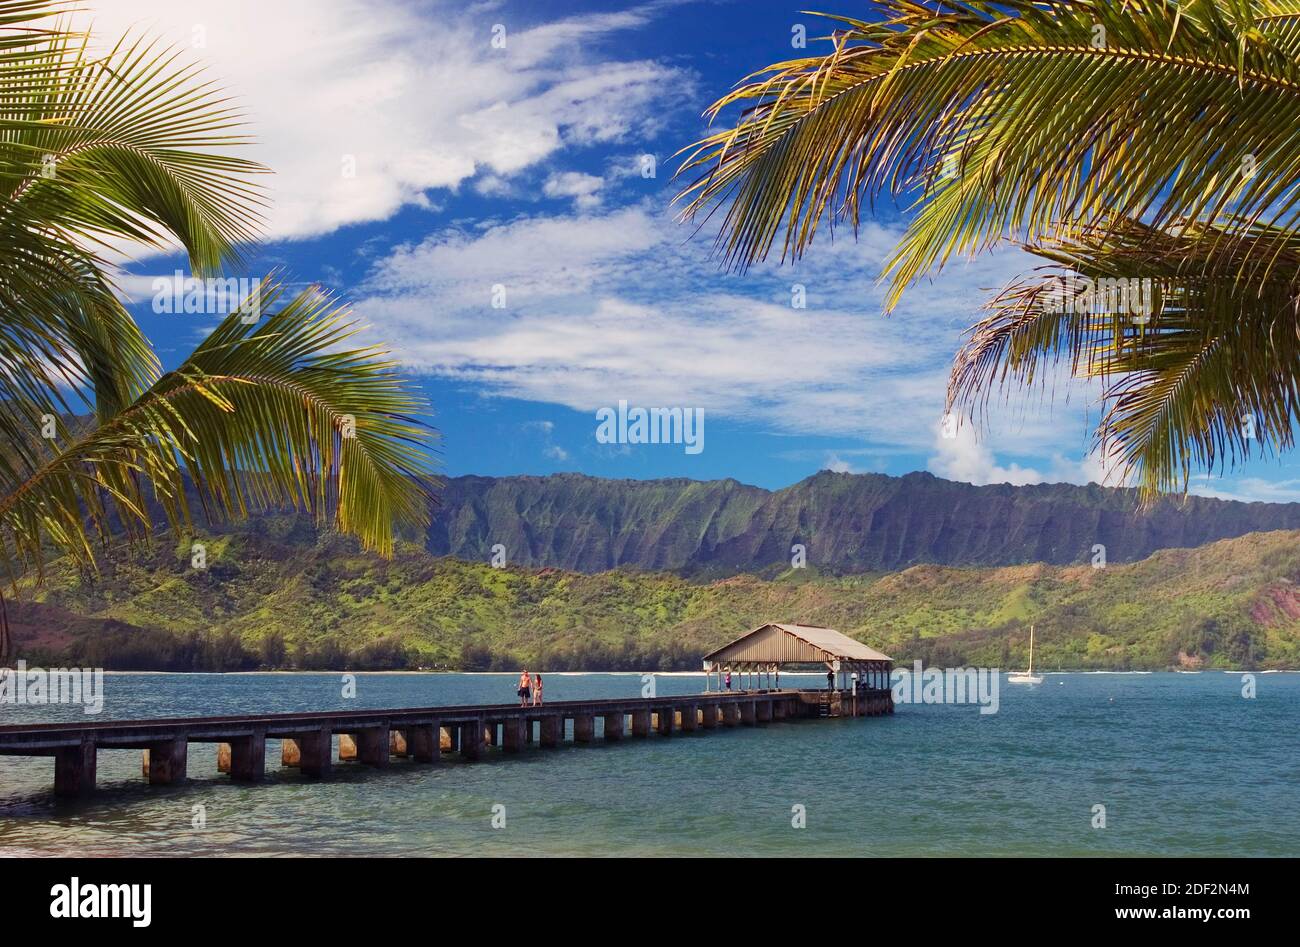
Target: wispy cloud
[1248,489]
[362,107]
[619,305]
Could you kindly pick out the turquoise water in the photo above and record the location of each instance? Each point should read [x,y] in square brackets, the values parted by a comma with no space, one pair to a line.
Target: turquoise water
[1183,764]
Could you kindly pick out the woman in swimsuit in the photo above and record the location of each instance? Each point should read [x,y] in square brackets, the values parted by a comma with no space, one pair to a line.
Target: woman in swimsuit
[537,690]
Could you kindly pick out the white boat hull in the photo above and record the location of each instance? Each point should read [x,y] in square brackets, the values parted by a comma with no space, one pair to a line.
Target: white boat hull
[1024,679]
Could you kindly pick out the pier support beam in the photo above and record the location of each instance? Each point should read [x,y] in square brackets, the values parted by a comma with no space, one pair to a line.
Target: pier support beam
[731,714]
[471,739]
[374,744]
[315,753]
[248,757]
[512,734]
[690,717]
[425,742]
[664,721]
[763,710]
[640,723]
[747,713]
[223,757]
[290,752]
[164,763]
[778,709]
[74,770]
[552,731]
[614,726]
[584,728]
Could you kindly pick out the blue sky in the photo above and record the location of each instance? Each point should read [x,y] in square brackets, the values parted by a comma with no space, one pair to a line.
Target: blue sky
[418,167]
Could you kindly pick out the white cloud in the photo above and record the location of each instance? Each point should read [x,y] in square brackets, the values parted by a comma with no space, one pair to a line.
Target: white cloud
[1248,489]
[970,460]
[970,456]
[837,464]
[414,96]
[583,188]
[620,305]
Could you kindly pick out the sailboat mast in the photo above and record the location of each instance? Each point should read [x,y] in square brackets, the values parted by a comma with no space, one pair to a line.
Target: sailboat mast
[1031,648]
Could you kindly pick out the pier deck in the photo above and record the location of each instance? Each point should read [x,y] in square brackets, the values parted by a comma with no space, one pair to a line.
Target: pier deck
[372,737]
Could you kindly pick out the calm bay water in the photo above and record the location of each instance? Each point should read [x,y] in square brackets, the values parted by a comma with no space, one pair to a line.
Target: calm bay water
[1183,764]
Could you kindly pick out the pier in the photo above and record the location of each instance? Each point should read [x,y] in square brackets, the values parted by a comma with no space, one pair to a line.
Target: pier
[857,686]
[312,742]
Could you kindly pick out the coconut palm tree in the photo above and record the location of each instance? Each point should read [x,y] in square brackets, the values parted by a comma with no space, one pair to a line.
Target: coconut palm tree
[273,409]
[1146,143]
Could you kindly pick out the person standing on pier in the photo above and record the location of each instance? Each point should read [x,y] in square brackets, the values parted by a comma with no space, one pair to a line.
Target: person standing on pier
[728,678]
[525,689]
[537,689]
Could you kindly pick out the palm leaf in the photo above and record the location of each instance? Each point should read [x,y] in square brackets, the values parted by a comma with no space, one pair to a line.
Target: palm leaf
[1051,128]
[276,414]
[1208,376]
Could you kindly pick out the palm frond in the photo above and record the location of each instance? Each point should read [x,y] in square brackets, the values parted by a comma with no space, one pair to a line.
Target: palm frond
[275,414]
[1205,373]
[1059,113]
[128,146]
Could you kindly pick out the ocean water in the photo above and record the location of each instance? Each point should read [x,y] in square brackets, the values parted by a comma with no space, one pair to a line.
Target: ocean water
[1182,763]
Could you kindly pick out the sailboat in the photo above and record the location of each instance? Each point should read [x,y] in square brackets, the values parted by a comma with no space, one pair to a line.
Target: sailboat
[1029,677]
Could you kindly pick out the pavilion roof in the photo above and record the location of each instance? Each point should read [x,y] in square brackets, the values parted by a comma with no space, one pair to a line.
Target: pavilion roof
[789,643]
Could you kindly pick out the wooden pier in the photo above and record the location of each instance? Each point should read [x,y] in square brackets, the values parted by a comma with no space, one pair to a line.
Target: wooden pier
[373,737]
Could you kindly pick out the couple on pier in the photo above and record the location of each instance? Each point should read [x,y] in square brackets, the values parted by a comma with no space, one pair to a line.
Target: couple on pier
[530,689]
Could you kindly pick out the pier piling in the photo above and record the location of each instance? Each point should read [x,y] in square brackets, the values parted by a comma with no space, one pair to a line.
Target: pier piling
[614,724]
[471,739]
[512,734]
[374,745]
[552,731]
[709,716]
[74,769]
[248,757]
[690,717]
[425,742]
[584,728]
[164,762]
[315,753]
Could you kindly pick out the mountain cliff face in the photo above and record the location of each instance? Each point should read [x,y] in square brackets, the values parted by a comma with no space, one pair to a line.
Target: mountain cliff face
[847,522]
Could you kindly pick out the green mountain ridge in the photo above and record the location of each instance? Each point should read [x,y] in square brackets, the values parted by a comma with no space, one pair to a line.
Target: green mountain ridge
[283,594]
[847,523]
